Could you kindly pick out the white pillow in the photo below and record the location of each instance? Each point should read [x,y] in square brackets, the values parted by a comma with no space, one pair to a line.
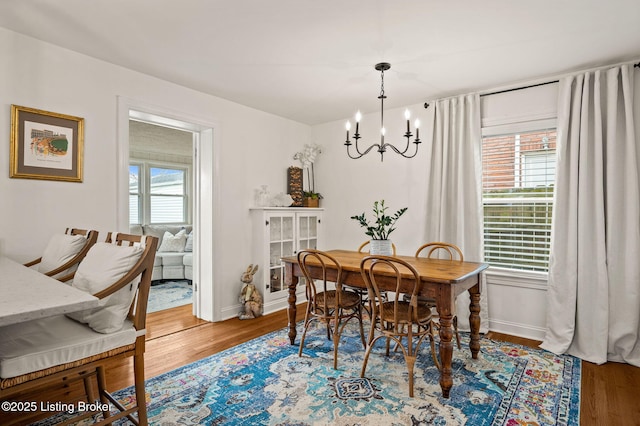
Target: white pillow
[188,247]
[173,243]
[60,249]
[104,265]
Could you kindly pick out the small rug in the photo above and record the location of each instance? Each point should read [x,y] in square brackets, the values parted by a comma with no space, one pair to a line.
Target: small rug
[169,295]
[264,382]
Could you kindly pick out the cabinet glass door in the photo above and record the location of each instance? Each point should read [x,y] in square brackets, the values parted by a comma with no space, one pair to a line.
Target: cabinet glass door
[307,232]
[281,244]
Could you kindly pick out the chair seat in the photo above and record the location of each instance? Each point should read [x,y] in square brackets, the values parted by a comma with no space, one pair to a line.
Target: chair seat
[47,342]
[424,312]
[349,299]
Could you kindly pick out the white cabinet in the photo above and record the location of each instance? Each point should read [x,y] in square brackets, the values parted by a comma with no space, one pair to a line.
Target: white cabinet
[280,232]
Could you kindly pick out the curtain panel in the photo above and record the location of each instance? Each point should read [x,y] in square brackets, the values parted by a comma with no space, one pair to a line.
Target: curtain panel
[454,188]
[594,274]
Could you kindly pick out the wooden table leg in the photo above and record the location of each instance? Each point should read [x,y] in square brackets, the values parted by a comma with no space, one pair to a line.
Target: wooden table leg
[474,320]
[444,307]
[291,281]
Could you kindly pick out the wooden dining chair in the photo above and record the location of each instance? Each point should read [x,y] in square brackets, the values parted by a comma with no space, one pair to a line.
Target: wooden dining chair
[397,319]
[64,252]
[453,253]
[362,292]
[327,301]
[38,358]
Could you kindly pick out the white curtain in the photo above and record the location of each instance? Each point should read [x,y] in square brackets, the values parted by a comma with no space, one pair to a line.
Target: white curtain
[454,187]
[594,273]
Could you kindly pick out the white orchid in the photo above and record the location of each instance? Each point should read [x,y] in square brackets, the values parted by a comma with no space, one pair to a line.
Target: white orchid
[307,157]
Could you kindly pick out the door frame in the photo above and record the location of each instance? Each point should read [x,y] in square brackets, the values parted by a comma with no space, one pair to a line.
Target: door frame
[205,181]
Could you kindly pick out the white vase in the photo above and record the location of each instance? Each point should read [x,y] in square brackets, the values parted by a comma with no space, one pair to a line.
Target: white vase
[383,247]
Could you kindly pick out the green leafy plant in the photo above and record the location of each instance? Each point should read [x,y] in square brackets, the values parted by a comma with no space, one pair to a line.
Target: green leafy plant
[309,194]
[383,225]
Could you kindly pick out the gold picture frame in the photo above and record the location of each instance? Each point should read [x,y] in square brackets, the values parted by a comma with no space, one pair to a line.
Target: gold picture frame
[46,145]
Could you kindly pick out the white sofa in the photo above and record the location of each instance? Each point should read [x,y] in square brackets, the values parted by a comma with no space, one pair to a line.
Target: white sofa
[174,259]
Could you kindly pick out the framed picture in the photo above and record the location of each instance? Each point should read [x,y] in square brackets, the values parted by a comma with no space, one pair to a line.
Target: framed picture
[46,145]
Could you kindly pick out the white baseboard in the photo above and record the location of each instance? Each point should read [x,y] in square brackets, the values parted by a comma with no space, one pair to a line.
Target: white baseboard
[515,329]
[268,308]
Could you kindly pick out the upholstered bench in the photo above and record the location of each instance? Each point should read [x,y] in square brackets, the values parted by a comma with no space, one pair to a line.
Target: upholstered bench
[48,342]
[38,356]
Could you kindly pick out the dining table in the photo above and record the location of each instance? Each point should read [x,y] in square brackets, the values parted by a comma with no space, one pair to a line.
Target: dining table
[26,294]
[442,280]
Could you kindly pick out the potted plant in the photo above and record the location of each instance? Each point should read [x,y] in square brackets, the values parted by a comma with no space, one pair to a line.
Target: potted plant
[380,229]
[311,198]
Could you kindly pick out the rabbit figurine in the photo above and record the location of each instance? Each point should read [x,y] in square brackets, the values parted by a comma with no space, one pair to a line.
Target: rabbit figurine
[250,296]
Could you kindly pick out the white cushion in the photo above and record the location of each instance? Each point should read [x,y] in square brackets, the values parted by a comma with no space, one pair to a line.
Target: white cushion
[157,273]
[171,259]
[104,265]
[188,247]
[47,342]
[173,243]
[60,249]
[159,230]
[187,260]
[172,272]
[135,229]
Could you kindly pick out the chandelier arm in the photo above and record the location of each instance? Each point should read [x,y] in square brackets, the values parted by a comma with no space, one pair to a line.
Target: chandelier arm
[361,154]
[357,138]
[397,151]
[406,148]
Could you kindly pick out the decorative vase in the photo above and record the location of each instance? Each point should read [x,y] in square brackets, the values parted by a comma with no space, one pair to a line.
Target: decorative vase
[262,196]
[382,247]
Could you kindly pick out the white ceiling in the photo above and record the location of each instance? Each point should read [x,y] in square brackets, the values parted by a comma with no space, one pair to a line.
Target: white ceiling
[312,60]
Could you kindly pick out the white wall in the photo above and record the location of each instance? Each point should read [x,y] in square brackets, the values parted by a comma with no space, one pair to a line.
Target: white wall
[255,148]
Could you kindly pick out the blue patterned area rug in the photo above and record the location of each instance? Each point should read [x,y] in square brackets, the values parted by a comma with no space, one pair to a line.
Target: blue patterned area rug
[169,295]
[264,382]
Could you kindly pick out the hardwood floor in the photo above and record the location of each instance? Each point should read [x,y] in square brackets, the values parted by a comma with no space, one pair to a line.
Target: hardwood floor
[176,338]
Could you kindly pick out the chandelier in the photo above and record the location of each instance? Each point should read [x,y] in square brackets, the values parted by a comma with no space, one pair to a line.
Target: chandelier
[382,146]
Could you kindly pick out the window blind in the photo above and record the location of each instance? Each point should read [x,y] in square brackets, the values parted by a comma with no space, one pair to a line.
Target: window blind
[167,195]
[518,176]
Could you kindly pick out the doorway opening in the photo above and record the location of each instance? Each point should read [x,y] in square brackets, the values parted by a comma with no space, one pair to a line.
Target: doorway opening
[199,177]
[161,204]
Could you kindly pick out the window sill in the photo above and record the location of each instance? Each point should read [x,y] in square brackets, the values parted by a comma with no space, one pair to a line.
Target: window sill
[517,278]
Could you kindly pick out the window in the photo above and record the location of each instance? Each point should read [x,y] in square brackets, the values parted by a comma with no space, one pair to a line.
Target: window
[158,194]
[518,176]
[167,195]
[135,194]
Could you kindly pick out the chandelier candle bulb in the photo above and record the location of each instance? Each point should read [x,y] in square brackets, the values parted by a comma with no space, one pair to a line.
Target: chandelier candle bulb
[407,115]
[358,117]
[417,126]
[348,127]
